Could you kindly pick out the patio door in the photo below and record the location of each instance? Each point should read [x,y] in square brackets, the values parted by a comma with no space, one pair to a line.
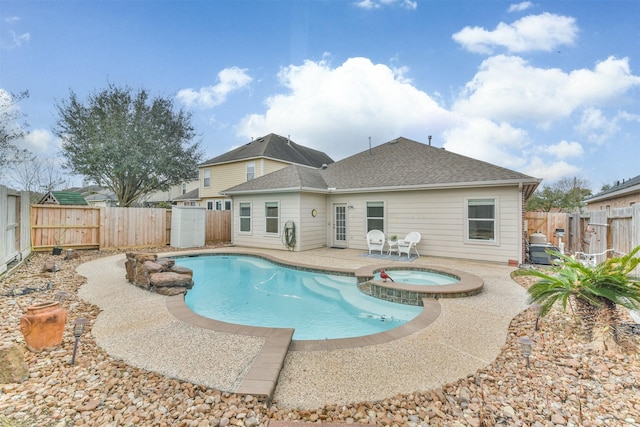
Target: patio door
[340,225]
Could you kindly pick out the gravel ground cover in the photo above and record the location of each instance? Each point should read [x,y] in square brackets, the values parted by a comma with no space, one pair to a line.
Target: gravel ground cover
[566,385]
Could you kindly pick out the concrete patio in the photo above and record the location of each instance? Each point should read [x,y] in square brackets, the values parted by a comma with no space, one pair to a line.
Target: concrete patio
[137,327]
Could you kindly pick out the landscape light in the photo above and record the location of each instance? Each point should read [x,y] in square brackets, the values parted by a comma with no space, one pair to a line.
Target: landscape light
[526,345]
[79,325]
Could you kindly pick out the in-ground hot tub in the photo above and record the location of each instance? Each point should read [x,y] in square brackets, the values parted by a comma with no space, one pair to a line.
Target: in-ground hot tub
[412,284]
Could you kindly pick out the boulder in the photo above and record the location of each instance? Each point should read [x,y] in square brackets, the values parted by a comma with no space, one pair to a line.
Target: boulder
[181,270]
[13,369]
[170,279]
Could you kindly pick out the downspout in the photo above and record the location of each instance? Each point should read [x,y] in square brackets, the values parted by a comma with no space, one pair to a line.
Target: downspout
[522,231]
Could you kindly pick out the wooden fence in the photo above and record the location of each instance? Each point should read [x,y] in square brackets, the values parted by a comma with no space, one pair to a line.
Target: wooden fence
[590,232]
[87,227]
[14,226]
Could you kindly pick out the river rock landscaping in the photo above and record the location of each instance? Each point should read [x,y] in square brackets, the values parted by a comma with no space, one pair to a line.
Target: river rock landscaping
[567,384]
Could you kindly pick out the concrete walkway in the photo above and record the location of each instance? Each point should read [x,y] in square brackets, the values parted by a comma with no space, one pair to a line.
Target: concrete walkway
[137,327]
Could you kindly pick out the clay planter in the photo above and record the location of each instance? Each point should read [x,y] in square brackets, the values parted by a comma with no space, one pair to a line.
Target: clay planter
[43,325]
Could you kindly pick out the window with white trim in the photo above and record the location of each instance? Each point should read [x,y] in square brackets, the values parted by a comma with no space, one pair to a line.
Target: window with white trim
[207,178]
[272,218]
[227,205]
[375,216]
[218,205]
[251,171]
[184,188]
[481,219]
[245,217]
[210,205]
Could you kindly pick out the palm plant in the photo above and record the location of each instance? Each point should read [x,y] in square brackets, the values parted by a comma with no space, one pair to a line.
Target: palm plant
[596,291]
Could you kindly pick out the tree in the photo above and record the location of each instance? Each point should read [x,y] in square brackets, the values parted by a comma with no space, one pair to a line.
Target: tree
[566,195]
[595,292]
[36,175]
[10,129]
[126,141]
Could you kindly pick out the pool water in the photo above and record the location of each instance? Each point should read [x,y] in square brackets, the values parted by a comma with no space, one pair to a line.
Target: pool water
[419,277]
[255,292]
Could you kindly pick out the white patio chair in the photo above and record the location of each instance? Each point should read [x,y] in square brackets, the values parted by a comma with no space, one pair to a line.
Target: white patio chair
[405,245]
[375,240]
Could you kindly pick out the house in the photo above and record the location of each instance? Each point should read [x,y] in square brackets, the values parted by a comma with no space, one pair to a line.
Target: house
[247,162]
[463,207]
[63,198]
[621,195]
[192,198]
[175,191]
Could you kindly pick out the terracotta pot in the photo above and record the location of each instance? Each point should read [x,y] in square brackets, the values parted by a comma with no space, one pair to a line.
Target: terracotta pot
[43,325]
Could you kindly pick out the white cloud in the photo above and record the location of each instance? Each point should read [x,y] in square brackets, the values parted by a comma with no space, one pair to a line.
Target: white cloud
[40,141]
[550,171]
[519,7]
[377,4]
[565,149]
[342,107]
[13,40]
[229,80]
[499,144]
[507,88]
[543,32]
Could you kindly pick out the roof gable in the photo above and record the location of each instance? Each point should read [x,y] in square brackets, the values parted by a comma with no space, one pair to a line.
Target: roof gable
[63,198]
[275,147]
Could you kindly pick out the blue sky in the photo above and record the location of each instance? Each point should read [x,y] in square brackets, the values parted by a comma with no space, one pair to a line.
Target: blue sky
[547,88]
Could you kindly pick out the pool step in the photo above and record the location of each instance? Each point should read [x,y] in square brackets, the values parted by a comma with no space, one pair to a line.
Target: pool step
[261,379]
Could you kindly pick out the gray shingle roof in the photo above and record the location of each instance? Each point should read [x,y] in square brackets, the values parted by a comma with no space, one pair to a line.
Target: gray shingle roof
[276,147]
[190,195]
[626,185]
[398,164]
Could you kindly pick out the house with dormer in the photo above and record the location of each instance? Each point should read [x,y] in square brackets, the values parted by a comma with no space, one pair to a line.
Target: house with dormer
[246,163]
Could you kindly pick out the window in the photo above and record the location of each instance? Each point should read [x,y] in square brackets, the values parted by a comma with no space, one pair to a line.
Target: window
[375,216]
[271,217]
[227,205]
[245,217]
[184,187]
[218,205]
[210,205]
[251,171]
[207,178]
[481,217]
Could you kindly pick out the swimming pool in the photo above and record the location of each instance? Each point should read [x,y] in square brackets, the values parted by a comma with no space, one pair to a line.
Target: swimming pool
[252,291]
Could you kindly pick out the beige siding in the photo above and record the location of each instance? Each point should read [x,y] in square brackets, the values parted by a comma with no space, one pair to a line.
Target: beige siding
[231,174]
[289,208]
[313,230]
[440,217]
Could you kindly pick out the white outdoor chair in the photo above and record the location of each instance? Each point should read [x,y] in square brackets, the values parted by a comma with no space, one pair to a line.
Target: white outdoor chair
[592,260]
[375,240]
[405,245]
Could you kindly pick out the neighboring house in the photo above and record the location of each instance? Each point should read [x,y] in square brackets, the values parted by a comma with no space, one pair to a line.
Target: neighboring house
[188,199]
[462,207]
[170,195]
[63,198]
[253,160]
[621,195]
[102,199]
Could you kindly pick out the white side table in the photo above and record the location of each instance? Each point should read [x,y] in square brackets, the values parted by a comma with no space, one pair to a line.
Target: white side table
[393,247]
